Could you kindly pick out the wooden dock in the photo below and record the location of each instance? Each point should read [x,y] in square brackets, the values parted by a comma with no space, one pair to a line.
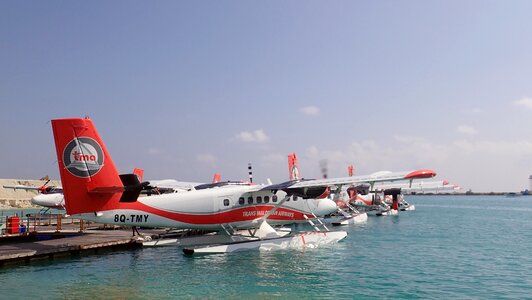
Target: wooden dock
[44,245]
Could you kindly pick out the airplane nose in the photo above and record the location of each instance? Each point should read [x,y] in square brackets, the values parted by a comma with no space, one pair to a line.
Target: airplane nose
[47,200]
[326,206]
[37,200]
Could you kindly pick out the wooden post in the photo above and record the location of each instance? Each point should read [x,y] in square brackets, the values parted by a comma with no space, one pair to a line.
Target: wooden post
[28,226]
[59,219]
[81,226]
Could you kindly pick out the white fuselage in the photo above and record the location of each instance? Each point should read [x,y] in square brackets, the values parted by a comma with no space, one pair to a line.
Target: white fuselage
[53,200]
[238,206]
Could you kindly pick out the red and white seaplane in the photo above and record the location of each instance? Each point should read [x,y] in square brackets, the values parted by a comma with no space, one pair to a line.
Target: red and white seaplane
[241,214]
[47,196]
[379,198]
[350,197]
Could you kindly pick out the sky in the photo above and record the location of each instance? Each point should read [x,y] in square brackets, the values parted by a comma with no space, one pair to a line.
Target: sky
[184,89]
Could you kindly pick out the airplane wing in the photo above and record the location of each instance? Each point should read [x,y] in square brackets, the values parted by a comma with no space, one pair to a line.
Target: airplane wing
[313,188]
[22,187]
[173,184]
[376,177]
[429,185]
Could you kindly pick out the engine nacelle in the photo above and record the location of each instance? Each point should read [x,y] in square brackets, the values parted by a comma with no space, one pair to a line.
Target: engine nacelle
[310,192]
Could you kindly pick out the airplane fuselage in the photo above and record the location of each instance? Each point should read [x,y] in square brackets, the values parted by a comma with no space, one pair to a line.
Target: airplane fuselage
[53,200]
[239,206]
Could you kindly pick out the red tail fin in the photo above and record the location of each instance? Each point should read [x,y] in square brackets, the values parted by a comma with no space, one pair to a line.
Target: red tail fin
[139,172]
[350,170]
[90,179]
[217,177]
[293,167]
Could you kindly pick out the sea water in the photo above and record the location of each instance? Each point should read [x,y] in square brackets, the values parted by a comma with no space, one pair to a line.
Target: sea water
[472,247]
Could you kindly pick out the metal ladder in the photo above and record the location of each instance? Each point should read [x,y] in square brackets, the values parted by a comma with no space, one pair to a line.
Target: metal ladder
[352,208]
[231,231]
[314,225]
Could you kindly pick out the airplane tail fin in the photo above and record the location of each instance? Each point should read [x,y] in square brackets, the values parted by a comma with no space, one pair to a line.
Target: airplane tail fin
[350,170]
[216,178]
[293,167]
[139,172]
[91,182]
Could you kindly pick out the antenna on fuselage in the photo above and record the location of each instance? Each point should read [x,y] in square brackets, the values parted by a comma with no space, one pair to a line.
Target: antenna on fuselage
[250,172]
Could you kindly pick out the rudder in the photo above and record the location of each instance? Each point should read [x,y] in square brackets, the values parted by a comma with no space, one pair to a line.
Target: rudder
[90,179]
[293,167]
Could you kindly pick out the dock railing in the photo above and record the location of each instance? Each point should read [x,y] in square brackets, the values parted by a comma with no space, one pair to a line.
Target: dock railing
[38,222]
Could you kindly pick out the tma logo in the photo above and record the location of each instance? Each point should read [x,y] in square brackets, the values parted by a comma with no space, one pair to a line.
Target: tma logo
[83,157]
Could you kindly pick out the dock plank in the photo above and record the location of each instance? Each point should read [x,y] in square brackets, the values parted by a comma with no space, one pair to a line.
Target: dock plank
[90,240]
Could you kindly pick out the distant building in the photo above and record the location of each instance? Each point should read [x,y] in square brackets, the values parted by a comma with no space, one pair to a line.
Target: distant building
[530,180]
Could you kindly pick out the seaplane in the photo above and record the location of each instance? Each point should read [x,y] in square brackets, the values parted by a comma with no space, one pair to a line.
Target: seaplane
[239,214]
[383,198]
[434,186]
[350,197]
[47,196]
[371,201]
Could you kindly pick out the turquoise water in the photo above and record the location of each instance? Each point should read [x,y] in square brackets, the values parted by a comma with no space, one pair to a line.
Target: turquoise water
[450,247]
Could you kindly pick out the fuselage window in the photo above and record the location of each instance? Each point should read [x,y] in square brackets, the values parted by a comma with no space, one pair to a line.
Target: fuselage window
[295,198]
[266,199]
[250,200]
[259,199]
[226,202]
[274,198]
[241,201]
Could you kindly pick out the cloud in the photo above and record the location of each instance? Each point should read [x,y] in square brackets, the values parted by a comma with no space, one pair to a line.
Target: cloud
[206,158]
[525,102]
[310,110]
[257,136]
[483,165]
[466,129]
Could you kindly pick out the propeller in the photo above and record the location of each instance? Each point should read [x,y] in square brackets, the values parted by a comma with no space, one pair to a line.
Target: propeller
[42,188]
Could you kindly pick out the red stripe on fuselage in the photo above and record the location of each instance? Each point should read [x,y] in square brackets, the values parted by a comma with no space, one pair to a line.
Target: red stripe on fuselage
[245,213]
